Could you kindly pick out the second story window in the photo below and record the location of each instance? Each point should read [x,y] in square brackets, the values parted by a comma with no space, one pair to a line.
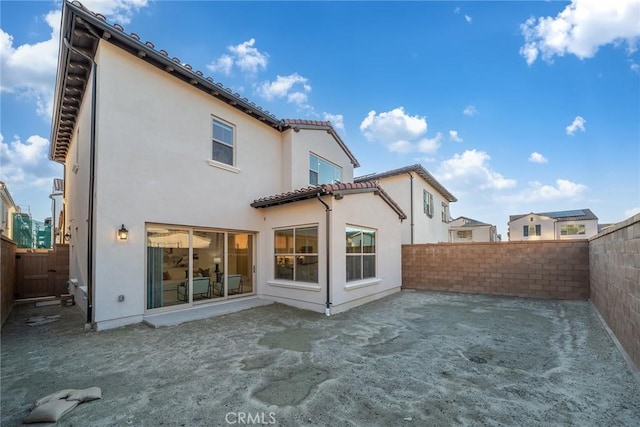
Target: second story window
[427,202]
[223,142]
[322,171]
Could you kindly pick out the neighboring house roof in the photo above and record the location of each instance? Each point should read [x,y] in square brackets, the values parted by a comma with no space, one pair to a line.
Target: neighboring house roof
[337,190]
[82,29]
[574,215]
[417,168]
[469,222]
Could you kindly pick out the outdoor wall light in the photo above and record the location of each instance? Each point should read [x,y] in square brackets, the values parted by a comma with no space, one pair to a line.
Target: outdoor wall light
[123,233]
[67,237]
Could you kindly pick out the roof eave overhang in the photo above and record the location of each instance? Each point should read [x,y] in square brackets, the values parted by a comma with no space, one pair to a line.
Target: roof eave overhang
[77,25]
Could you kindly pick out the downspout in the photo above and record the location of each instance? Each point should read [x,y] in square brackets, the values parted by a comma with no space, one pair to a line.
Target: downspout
[327,210]
[92,161]
[411,199]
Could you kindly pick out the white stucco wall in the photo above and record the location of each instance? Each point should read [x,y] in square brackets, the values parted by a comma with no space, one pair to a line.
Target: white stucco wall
[320,143]
[153,166]
[547,228]
[551,229]
[426,229]
[354,210]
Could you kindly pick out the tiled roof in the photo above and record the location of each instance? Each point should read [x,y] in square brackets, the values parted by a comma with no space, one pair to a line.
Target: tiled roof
[297,124]
[417,168]
[469,222]
[573,215]
[339,189]
[80,33]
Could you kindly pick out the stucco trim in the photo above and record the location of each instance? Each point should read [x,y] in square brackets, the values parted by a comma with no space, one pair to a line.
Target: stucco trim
[362,283]
[224,166]
[295,285]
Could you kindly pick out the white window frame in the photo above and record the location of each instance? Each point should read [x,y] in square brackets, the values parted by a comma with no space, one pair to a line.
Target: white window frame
[580,229]
[427,201]
[362,254]
[318,161]
[232,145]
[296,255]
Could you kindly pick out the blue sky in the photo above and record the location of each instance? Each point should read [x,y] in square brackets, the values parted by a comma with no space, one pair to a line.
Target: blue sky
[513,106]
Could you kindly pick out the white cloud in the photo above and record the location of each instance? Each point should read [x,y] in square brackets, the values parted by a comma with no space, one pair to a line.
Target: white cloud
[399,131]
[293,87]
[337,120]
[468,18]
[120,11]
[635,68]
[471,170]
[536,157]
[453,135]
[223,65]
[456,10]
[470,111]
[581,29]
[631,212]
[26,164]
[244,56]
[29,70]
[563,190]
[577,124]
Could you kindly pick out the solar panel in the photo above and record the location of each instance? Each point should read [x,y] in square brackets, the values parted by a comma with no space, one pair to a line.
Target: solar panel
[564,214]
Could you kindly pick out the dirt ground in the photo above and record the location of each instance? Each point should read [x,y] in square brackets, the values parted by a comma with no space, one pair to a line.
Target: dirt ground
[415,358]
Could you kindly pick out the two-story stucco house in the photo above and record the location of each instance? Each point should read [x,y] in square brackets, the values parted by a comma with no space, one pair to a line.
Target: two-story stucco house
[467,230]
[561,225]
[183,200]
[425,200]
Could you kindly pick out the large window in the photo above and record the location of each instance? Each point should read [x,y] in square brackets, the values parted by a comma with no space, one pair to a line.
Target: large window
[296,254]
[222,142]
[465,234]
[192,266]
[572,230]
[361,253]
[322,171]
[427,201]
[531,230]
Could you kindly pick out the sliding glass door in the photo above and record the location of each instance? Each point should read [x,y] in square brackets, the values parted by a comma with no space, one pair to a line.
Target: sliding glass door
[194,266]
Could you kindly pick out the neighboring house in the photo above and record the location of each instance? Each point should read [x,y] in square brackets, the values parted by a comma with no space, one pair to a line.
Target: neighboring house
[463,229]
[7,209]
[562,225]
[56,196]
[184,199]
[424,199]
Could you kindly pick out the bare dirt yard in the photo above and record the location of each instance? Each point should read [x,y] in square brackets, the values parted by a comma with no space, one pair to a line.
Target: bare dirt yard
[415,358]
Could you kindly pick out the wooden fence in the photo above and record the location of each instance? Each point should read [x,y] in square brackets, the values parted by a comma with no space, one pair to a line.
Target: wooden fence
[31,274]
[7,276]
[42,274]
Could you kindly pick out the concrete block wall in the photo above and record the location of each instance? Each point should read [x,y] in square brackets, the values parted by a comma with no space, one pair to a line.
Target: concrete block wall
[540,269]
[614,257]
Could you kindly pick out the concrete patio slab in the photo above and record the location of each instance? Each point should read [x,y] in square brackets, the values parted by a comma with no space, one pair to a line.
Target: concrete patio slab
[414,358]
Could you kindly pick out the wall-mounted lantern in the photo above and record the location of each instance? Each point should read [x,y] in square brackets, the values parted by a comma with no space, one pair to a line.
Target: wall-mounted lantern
[123,233]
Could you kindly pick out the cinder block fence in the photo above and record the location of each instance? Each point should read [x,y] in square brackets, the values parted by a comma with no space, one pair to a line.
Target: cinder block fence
[604,269]
[541,269]
[614,258]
